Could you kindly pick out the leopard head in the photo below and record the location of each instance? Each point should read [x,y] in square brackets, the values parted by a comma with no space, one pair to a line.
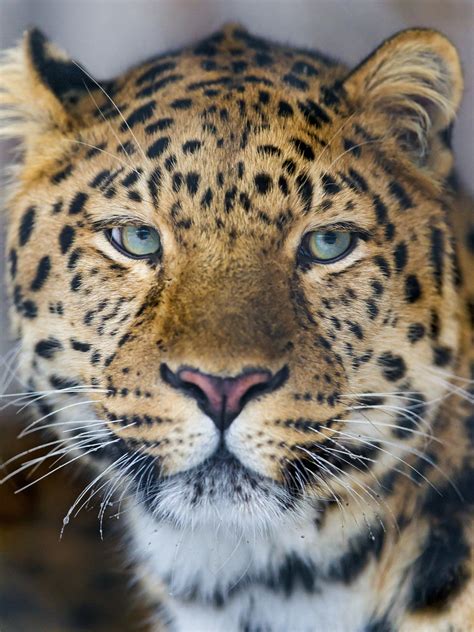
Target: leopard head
[237,259]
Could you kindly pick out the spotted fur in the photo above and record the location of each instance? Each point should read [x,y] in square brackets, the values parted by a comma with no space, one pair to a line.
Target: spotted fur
[341,500]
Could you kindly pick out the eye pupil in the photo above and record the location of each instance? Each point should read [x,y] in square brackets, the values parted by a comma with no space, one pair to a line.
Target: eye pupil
[142,233]
[329,238]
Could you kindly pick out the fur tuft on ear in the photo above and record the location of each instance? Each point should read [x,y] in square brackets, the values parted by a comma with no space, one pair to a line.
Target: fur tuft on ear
[39,86]
[415,79]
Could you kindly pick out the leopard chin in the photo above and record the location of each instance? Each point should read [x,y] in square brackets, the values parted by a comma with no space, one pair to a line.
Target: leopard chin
[220,490]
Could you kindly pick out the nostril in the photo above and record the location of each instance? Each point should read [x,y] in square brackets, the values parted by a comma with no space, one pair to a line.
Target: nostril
[222,399]
[176,381]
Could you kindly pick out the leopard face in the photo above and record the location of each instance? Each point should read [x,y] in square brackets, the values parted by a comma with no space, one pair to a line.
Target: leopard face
[237,258]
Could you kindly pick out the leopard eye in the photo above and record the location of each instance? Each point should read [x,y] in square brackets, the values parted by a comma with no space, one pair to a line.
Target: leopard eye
[138,242]
[328,246]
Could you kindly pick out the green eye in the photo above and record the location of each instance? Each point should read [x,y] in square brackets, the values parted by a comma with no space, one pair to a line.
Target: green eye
[328,246]
[138,242]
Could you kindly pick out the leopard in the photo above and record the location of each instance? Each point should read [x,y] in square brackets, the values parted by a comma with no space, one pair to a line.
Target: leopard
[240,277]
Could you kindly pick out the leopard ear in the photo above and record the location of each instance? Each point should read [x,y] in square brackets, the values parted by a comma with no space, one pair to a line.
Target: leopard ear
[39,87]
[415,79]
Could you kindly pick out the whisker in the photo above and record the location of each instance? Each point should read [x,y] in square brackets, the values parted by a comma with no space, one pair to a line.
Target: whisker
[80,456]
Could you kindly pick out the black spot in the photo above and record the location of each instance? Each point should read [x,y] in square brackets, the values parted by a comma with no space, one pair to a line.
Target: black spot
[293,573]
[177,181]
[381,212]
[229,199]
[268,150]
[155,71]
[93,151]
[74,258]
[181,104]
[441,570]
[283,185]
[154,183]
[303,68]
[191,146]
[80,346]
[62,175]
[206,199]
[140,115]
[401,195]
[289,166]
[412,288]
[263,183]
[192,182]
[128,148]
[359,552]
[66,238]
[356,181]
[48,348]
[132,178]
[393,366]
[356,329]
[377,287]
[408,418]
[303,149]
[29,309]
[134,196]
[305,191]
[76,282]
[13,257]
[262,60]
[352,147]
[42,273]
[434,325]
[442,356]
[437,256]
[158,126]
[284,109]
[77,203]
[372,309]
[313,113]
[157,148]
[329,184]
[158,85]
[389,231]
[239,66]
[416,331]
[295,82]
[382,263]
[401,256]
[27,225]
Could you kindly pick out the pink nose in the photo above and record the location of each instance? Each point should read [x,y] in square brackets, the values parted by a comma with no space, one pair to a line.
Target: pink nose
[222,399]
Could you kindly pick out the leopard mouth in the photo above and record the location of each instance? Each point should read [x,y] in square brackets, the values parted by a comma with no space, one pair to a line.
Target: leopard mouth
[219,486]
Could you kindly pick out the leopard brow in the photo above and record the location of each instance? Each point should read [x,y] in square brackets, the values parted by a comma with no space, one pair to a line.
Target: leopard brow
[118,220]
[364,233]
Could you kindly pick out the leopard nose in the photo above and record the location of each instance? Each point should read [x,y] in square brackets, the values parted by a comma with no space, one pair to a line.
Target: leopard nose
[223,398]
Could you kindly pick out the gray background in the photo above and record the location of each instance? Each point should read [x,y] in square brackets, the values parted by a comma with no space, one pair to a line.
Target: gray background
[109,35]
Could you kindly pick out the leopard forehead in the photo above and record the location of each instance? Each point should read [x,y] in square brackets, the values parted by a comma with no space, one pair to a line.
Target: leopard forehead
[222,136]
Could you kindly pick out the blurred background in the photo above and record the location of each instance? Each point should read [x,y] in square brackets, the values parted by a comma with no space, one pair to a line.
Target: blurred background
[78,583]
